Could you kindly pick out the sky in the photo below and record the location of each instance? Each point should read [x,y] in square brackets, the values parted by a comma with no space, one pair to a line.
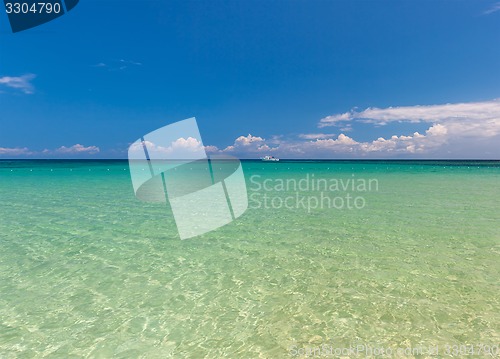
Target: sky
[293,79]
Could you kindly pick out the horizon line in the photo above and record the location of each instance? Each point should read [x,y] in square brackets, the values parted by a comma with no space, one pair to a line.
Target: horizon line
[258,159]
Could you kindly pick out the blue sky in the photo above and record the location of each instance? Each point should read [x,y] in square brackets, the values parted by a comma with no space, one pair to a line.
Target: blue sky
[303,79]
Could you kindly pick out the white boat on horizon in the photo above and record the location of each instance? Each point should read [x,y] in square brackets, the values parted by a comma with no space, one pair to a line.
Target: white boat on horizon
[269,159]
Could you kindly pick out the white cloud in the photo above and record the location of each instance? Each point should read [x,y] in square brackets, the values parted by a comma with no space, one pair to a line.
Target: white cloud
[26,152]
[341,140]
[248,140]
[254,146]
[461,130]
[438,141]
[437,130]
[494,8]
[130,62]
[17,151]
[317,148]
[480,117]
[334,120]
[22,83]
[248,145]
[316,136]
[434,138]
[189,143]
[451,126]
[121,64]
[76,149]
[212,149]
[180,148]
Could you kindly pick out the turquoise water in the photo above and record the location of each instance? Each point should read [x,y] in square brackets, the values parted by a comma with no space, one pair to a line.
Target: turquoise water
[87,270]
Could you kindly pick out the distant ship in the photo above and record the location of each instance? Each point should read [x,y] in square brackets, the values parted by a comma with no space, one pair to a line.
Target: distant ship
[269,159]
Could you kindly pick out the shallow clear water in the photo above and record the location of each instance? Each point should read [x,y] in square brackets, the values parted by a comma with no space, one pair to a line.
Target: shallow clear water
[87,270]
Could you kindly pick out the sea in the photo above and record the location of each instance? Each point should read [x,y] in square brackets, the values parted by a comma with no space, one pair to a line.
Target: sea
[335,259]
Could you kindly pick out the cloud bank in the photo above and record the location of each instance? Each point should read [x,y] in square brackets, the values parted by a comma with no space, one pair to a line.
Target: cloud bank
[480,117]
[17,151]
[453,131]
[461,130]
[75,150]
